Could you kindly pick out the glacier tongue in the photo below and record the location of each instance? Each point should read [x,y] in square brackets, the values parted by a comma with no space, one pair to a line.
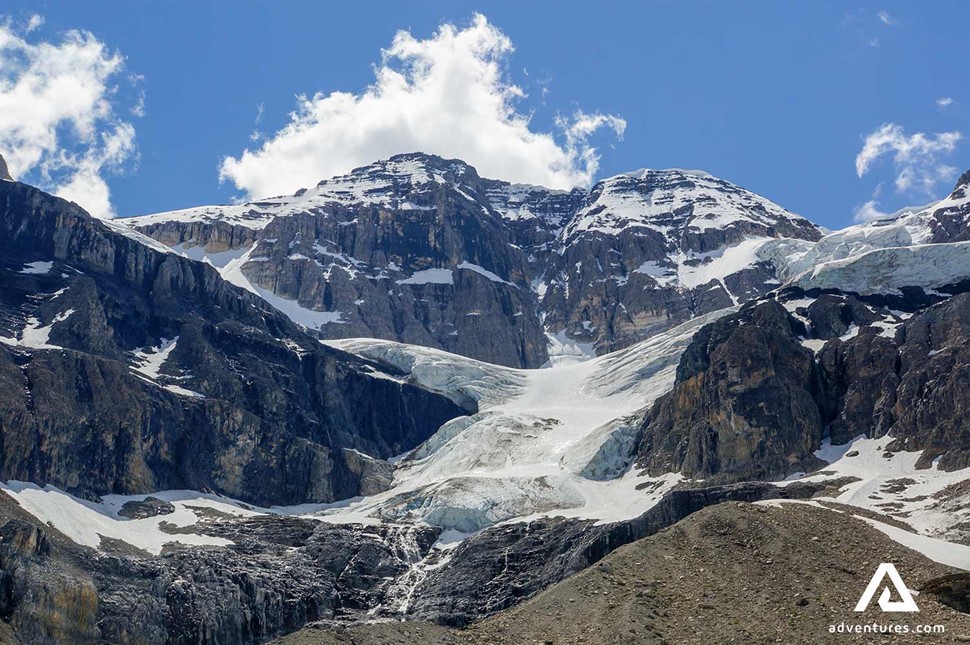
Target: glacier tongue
[554,441]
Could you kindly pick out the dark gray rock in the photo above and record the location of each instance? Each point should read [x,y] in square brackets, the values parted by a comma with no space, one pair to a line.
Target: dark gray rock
[752,402]
[358,261]
[612,277]
[952,590]
[952,223]
[148,507]
[279,574]
[832,315]
[4,173]
[932,402]
[247,404]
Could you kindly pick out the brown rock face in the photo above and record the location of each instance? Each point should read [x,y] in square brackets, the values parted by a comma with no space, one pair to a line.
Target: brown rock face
[744,406]
[41,601]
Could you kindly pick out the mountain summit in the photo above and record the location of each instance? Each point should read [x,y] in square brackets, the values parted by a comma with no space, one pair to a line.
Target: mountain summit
[421,249]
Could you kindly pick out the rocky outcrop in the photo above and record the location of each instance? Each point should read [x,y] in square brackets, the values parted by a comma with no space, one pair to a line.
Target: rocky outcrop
[950,221]
[753,400]
[127,369]
[43,600]
[745,405]
[953,590]
[148,507]
[279,574]
[204,238]
[4,173]
[930,406]
[504,566]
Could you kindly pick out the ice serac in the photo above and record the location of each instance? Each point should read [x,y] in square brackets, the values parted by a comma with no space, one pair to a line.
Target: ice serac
[408,249]
[920,248]
[126,368]
[652,248]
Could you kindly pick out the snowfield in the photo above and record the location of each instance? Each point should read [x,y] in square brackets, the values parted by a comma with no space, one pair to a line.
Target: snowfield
[893,486]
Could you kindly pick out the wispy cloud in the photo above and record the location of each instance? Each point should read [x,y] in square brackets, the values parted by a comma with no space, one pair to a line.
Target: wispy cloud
[446,95]
[33,23]
[916,159]
[870,27]
[58,119]
[868,212]
[944,102]
[257,134]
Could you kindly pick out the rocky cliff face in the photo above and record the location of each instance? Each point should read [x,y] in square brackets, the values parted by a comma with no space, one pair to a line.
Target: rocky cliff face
[4,173]
[949,220]
[128,368]
[928,409]
[476,581]
[282,573]
[756,392]
[408,249]
[745,403]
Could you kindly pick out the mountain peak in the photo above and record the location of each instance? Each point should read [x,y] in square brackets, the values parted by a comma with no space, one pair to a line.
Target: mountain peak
[674,201]
[963,181]
[413,168]
[643,172]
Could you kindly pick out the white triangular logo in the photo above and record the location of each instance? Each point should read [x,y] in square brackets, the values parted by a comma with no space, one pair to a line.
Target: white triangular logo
[906,602]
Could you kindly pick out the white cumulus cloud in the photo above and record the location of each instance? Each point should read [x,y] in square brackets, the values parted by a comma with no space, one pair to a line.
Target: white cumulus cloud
[58,122]
[917,158]
[446,95]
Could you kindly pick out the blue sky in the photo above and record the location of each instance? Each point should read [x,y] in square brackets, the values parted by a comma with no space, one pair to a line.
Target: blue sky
[778,97]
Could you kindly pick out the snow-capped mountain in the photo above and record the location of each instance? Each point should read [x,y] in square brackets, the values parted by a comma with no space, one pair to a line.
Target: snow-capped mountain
[408,249]
[422,250]
[177,453]
[653,248]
